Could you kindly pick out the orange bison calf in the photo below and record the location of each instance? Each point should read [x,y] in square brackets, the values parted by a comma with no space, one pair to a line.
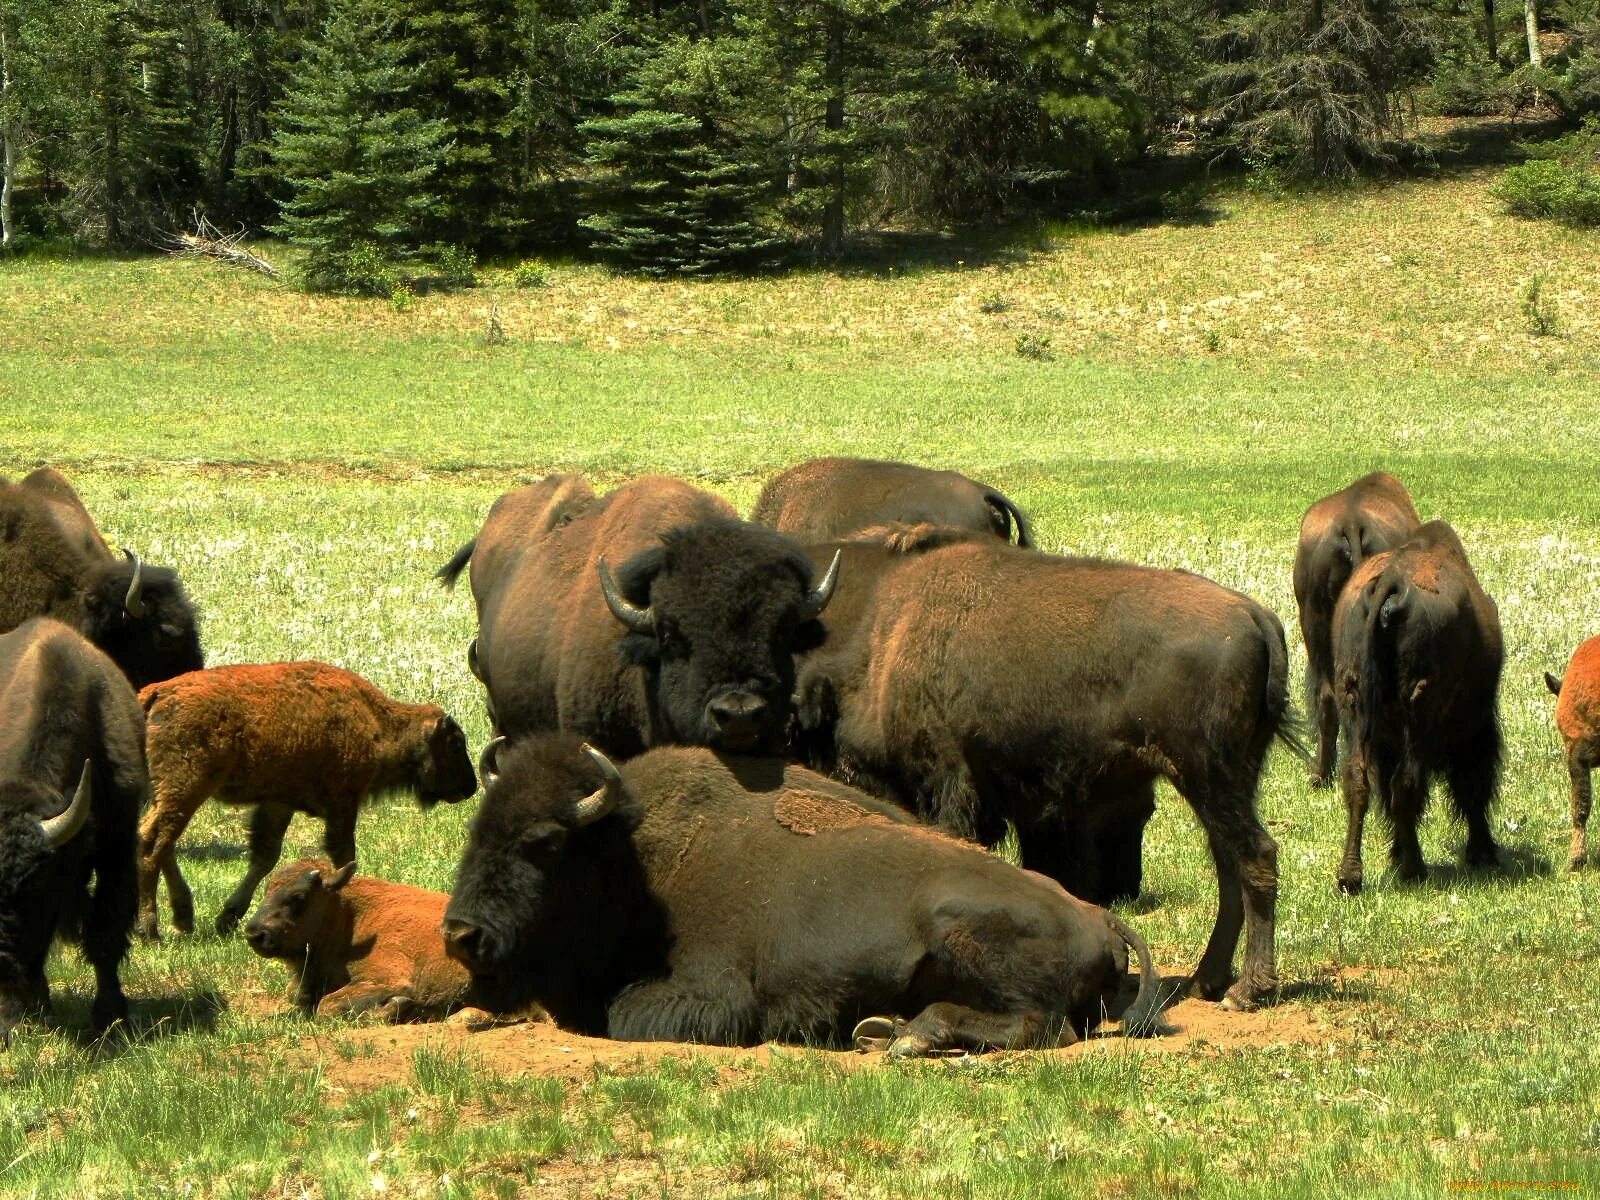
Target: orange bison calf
[287,738]
[358,945]
[1578,719]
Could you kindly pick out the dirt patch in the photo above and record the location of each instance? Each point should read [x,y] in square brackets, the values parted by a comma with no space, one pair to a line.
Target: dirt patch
[811,812]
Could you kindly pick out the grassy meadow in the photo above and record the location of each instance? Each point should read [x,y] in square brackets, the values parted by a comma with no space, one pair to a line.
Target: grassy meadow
[1171,393]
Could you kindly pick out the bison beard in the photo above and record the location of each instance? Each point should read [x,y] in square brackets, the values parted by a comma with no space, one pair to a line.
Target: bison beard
[671,901]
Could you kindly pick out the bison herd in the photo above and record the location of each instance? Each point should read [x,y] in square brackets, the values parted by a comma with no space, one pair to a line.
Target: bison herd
[744,775]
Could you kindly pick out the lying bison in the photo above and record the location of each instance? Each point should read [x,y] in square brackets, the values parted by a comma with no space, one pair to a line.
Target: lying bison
[1337,534]
[979,684]
[69,726]
[286,738]
[829,498]
[358,945]
[690,897]
[1417,658]
[1578,719]
[53,562]
[710,612]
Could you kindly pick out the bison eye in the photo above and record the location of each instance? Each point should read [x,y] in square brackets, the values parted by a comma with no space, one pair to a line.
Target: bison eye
[543,841]
[672,643]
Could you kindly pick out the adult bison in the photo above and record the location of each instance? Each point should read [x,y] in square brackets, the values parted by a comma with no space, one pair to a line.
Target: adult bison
[978,684]
[709,610]
[53,562]
[1337,534]
[830,498]
[1417,658]
[69,726]
[692,897]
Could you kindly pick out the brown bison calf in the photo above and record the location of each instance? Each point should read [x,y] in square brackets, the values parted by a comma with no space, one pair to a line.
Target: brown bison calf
[358,944]
[1578,719]
[287,738]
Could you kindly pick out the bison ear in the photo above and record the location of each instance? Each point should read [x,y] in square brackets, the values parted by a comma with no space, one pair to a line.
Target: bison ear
[340,877]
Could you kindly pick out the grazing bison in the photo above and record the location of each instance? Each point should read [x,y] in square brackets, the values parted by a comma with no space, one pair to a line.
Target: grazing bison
[829,498]
[1578,719]
[356,945]
[1337,534]
[710,612]
[691,897]
[69,726]
[287,738]
[978,684]
[1417,657]
[53,562]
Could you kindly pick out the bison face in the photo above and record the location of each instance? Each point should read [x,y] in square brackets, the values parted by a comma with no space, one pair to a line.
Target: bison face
[36,868]
[446,773]
[141,617]
[297,902]
[716,615]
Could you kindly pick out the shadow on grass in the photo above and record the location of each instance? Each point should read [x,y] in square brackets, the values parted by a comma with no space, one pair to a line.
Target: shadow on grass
[150,1019]
[1471,144]
[212,851]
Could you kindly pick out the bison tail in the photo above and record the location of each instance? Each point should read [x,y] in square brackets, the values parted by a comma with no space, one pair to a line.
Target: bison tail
[1553,683]
[1386,609]
[451,571]
[1286,724]
[1010,517]
[1143,1018]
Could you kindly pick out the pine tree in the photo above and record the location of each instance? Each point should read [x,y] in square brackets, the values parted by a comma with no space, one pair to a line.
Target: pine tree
[358,159]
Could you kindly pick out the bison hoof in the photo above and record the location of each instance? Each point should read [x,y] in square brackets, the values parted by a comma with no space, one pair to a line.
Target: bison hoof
[146,931]
[1207,989]
[910,1045]
[1242,997]
[1350,885]
[1577,862]
[227,922]
[474,1020]
[874,1033]
[1318,780]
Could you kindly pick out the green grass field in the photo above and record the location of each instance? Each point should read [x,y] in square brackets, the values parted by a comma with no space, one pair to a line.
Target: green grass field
[307,463]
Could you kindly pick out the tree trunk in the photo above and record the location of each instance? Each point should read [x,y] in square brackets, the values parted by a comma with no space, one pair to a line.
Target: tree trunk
[1530,15]
[8,141]
[833,122]
[1491,31]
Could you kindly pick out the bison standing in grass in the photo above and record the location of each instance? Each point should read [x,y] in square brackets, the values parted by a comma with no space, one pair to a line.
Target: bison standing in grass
[710,612]
[830,498]
[53,562]
[1578,719]
[692,897]
[358,945]
[1337,534]
[1417,658]
[978,684]
[69,727]
[286,738]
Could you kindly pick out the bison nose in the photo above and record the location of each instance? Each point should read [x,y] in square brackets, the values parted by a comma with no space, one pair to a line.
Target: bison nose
[738,716]
[463,941]
[256,935]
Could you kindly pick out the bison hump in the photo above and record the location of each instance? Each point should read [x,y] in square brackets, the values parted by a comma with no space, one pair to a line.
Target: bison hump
[807,813]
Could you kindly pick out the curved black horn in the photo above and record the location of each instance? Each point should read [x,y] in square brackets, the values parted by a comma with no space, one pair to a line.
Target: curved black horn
[598,804]
[489,761]
[133,602]
[64,826]
[638,620]
[817,598]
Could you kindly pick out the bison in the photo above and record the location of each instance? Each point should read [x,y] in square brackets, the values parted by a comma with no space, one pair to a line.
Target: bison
[69,726]
[979,684]
[53,562]
[1578,719]
[830,498]
[286,738]
[1417,658]
[1337,534]
[358,945]
[709,612]
[694,897]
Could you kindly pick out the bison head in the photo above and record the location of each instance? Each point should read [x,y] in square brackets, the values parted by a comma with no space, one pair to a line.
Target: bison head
[300,897]
[550,903]
[36,825]
[141,617]
[444,772]
[715,616]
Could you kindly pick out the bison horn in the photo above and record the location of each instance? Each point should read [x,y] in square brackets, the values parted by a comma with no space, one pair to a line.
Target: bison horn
[592,807]
[638,620]
[63,827]
[817,598]
[133,602]
[489,761]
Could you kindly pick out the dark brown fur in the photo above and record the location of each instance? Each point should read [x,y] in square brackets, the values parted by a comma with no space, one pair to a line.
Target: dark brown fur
[1578,719]
[1337,534]
[286,738]
[830,498]
[1417,660]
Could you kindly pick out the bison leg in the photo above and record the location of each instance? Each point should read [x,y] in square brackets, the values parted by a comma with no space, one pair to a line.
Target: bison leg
[354,999]
[1215,972]
[1357,795]
[1258,864]
[106,932]
[268,824]
[339,830]
[1327,716]
[1578,769]
[1472,775]
[170,811]
[942,1027]
[1408,793]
